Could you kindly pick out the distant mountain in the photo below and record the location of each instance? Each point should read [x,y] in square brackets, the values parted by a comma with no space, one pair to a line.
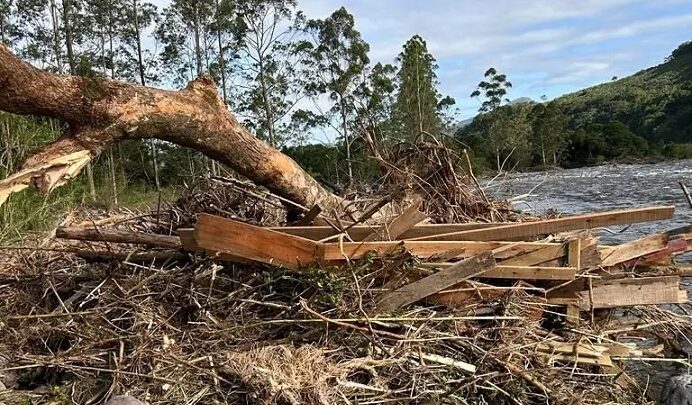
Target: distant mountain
[521,100]
[655,103]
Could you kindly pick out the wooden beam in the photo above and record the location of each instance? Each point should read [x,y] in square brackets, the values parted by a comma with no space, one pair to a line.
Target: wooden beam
[551,226]
[425,249]
[402,223]
[518,272]
[648,245]
[228,237]
[627,292]
[438,281]
[358,232]
[187,238]
[538,256]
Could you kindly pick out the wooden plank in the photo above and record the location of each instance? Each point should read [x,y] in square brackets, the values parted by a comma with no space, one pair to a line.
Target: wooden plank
[309,216]
[592,361]
[402,223]
[574,254]
[585,349]
[466,291]
[237,239]
[627,292]
[551,226]
[446,278]
[358,232]
[357,250]
[519,272]
[646,246]
[187,239]
[537,256]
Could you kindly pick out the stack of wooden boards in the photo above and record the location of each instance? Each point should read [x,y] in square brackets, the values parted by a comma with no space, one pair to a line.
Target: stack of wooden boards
[575,272]
[573,269]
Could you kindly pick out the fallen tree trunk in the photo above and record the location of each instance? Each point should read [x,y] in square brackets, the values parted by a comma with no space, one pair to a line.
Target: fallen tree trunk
[101,112]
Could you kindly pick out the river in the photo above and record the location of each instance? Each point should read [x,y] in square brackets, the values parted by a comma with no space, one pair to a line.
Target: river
[604,188]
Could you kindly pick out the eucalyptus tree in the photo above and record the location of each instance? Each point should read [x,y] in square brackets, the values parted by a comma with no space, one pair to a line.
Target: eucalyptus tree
[135,63]
[187,35]
[39,23]
[417,101]
[495,122]
[549,133]
[269,65]
[493,89]
[338,57]
[9,29]
[375,100]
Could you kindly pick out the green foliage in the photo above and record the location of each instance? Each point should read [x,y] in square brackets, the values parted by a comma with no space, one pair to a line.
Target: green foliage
[493,89]
[416,108]
[501,137]
[677,150]
[605,142]
[337,57]
[264,32]
[683,49]
[375,104]
[549,134]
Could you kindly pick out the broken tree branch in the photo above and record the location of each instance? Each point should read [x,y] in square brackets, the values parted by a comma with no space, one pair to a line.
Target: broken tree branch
[101,112]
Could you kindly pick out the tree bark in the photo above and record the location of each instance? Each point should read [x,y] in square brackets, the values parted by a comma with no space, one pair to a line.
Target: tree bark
[101,112]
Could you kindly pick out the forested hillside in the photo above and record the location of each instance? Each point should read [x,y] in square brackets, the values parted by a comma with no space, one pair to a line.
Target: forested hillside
[644,116]
[655,103]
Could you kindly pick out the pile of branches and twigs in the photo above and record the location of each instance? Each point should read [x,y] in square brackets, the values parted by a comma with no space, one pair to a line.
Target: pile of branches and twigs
[144,315]
[193,331]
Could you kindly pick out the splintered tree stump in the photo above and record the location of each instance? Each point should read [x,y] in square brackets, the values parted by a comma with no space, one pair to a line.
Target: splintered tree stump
[101,112]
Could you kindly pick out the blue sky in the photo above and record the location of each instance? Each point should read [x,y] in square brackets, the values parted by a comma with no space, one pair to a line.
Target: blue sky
[545,47]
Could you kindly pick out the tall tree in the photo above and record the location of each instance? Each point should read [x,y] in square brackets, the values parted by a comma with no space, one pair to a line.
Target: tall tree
[272,80]
[549,132]
[187,32]
[138,17]
[374,106]
[494,89]
[70,19]
[338,58]
[136,63]
[9,30]
[416,107]
[224,24]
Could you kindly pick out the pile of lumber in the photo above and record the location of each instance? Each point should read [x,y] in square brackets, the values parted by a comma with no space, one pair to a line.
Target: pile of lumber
[573,269]
[576,271]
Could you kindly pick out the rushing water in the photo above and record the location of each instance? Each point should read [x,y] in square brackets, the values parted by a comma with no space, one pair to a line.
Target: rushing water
[604,188]
[607,188]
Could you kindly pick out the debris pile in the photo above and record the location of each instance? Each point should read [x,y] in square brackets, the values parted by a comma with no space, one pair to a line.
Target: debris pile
[209,309]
